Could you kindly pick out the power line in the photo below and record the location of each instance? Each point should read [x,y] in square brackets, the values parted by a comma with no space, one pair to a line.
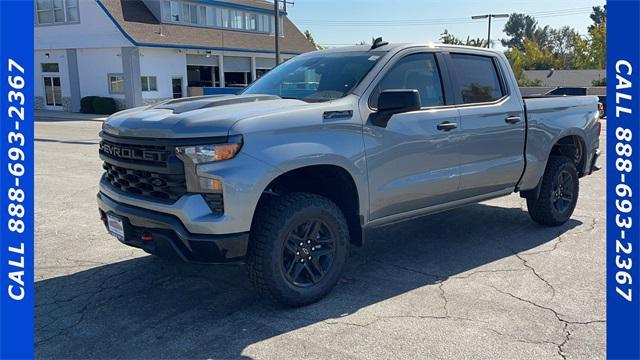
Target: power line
[431,22]
[546,12]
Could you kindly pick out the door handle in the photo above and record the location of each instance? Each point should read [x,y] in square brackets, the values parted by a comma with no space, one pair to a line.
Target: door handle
[512,119]
[447,126]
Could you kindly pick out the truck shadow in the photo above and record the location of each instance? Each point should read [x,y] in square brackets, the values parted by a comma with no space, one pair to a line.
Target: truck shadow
[151,308]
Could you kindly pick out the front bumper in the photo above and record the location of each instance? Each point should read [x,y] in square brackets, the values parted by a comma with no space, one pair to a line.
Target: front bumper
[594,166]
[170,238]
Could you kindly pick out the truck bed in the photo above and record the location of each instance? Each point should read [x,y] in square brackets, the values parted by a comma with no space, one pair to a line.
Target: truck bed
[550,118]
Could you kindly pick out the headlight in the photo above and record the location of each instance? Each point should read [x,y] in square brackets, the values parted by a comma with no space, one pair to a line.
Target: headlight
[200,154]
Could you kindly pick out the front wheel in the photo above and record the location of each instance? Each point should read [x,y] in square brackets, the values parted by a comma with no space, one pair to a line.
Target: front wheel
[298,246]
[558,193]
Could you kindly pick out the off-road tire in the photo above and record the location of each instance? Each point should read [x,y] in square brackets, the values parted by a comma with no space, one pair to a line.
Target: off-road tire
[542,209]
[274,220]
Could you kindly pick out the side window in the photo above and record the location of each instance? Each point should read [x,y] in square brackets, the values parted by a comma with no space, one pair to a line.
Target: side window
[477,77]
[420,72]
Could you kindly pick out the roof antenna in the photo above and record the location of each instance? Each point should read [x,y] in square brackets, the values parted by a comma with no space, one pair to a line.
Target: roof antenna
[378,43]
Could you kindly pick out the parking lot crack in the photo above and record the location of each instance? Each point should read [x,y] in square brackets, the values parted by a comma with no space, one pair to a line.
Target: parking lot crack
[536,274]
[562,237]
[555,313]
[443,295]
[564,342]
[477,272]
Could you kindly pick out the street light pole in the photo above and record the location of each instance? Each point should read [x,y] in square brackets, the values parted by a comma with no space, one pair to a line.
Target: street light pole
[489,16]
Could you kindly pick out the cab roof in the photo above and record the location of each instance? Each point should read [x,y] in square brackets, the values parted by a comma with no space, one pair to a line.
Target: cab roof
[401,46]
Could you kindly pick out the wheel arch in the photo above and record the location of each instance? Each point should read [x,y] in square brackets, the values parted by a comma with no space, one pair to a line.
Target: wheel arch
[570,143]
[329,180]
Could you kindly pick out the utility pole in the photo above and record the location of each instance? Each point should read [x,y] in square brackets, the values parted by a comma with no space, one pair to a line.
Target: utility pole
[276,9]
[489,16]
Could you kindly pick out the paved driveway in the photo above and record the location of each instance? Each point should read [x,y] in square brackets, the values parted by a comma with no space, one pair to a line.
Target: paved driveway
[477,282]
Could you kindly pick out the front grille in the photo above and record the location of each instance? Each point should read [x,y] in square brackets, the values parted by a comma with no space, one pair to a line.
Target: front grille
[155,155]
[153,185]
[149,169]
[143,168]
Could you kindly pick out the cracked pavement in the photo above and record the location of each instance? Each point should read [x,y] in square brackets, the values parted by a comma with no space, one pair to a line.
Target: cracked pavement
[478,282]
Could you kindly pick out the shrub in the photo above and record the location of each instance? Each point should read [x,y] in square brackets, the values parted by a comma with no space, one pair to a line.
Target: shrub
[86,104]
[104,106]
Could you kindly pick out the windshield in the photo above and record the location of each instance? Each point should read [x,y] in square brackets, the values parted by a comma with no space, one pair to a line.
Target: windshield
[321,77]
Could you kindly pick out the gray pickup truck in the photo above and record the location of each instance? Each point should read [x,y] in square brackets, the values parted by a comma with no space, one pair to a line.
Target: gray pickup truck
[328,146]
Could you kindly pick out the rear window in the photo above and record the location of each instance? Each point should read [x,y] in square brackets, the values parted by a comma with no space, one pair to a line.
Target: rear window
[477,78]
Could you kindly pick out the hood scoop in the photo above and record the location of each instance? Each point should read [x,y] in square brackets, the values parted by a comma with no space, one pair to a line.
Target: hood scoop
[185,105]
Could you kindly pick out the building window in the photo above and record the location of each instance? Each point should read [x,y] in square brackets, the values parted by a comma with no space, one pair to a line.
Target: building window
[149,83]
[202,15]
[225,18]
[210,15]
[175,10]
[50,67]
[202,76]
[193,13]
[264,24]
[73,13]
[190,13]
[237,79]
[116,84]
[56,12]
[237,18]
[251,22]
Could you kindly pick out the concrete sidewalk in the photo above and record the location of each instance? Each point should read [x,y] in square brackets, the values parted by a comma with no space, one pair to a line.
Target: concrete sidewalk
[52,115]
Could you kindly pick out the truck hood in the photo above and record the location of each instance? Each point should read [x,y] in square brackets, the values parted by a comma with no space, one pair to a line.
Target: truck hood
[207,116]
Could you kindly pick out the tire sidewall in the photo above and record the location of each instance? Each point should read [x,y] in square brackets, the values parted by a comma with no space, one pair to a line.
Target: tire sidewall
[568,166]
[284,290]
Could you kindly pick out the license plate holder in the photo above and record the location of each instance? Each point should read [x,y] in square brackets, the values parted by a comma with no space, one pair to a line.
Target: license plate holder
[115,226]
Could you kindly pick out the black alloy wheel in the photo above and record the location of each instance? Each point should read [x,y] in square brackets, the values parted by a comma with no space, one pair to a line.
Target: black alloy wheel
[562,191]
[298,246]
[308,253]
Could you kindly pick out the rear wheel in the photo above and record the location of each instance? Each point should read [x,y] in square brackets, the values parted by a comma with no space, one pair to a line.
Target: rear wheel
[558,193]
[298,247]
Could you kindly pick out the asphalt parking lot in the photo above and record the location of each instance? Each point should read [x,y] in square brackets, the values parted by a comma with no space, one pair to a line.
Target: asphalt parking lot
[481,282]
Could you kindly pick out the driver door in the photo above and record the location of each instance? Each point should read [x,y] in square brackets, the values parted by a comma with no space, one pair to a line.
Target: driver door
[413,163]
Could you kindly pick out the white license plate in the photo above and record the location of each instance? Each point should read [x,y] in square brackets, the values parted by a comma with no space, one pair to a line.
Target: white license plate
[115,226]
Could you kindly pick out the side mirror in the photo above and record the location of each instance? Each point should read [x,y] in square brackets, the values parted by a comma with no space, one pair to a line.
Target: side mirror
[391,102]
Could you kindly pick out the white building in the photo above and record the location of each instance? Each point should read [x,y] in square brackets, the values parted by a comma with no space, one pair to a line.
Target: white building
[144,51]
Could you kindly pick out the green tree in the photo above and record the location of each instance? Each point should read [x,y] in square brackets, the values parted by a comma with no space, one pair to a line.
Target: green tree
[598,16]
[447,38]
[531,57]
[520,27]
[591,51]
[310,38]
[562,45]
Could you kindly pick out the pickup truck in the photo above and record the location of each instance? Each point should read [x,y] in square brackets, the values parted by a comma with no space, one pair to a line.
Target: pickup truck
[291,173]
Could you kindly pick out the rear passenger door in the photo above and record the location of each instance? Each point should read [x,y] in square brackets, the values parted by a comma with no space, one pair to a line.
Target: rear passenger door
[492,125]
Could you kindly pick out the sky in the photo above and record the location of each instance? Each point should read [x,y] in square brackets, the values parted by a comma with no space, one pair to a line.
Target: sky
[346,22]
